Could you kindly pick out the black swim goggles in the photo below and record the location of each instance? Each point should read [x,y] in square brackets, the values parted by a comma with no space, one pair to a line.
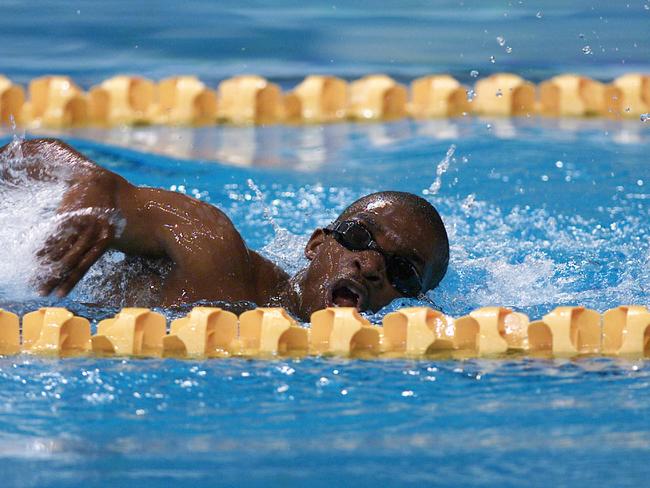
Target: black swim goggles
[401,272]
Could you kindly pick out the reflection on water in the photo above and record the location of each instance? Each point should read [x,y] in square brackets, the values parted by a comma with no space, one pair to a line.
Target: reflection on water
[310,148]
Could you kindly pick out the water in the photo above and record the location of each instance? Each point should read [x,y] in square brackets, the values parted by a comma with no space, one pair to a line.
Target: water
[323,423]
[540,213]
[287,39]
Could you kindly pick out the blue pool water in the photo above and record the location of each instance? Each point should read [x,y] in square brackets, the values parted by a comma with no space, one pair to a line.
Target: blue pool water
[540,213]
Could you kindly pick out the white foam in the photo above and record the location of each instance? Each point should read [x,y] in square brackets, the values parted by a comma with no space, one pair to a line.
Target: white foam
[27,211]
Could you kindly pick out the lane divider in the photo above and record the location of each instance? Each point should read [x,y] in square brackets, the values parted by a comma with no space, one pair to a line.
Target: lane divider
[56,101]
[414,332]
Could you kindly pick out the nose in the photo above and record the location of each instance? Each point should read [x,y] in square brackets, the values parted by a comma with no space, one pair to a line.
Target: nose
[370,265]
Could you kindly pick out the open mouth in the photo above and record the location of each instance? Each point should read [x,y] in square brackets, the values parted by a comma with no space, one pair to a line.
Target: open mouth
[347,294]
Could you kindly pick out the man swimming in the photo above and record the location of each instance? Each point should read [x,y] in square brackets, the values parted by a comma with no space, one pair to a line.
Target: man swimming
[384,246]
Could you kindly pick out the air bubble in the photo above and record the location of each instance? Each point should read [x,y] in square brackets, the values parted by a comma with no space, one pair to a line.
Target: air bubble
[587,50]
[501,41]
[471,94]
[645,117]
[493,59]
[539,14]
[499,93]
[559,164]
[473,73]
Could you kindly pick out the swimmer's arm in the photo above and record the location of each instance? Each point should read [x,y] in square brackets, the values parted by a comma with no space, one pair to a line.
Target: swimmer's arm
[209,258]
[101,210]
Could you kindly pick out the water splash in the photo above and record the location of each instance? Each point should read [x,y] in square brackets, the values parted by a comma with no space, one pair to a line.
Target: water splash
[468,203]
[285,247]
[27,210]
[441,169]
[268,214]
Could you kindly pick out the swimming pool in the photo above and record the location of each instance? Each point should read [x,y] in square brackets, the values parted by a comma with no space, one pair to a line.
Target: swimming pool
[540,212]
[564,222]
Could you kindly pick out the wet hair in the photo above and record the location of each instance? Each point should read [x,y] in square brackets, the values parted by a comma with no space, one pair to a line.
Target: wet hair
[423,209]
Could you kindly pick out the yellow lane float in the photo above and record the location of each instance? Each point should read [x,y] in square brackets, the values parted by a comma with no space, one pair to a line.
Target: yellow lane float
[318,99]
[132,332]
[412,332]
[438,96]
[249,100]
[415,331]
[343,331]
[122,100]
[626,330]
[271,331]
[205,332]
[55,101]
[504,94]
[635,94]
[577,96]
[9,333]
[12,99]
[566,331]
[55,331]
[185,100]
[377,97]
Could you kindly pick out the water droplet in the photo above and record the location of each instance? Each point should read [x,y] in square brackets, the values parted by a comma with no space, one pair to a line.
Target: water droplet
[508,49]
[499,93]
[469,202]
[471,94]
[493,59]
[539,14]
[587,50]
[488,126]
[501,41]
[473,73]
[645,117]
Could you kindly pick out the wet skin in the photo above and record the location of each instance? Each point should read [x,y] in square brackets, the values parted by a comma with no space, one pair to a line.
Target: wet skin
[209,259]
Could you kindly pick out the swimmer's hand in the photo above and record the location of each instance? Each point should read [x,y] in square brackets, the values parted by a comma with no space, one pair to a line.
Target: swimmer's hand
[80,239]
[86,217]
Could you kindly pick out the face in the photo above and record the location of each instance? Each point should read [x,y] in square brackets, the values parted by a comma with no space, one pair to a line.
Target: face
[337,276]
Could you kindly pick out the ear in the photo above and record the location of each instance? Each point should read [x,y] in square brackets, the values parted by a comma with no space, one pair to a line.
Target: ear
[316,239]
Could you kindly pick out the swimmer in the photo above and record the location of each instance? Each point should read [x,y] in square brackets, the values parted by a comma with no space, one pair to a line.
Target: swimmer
[384,246]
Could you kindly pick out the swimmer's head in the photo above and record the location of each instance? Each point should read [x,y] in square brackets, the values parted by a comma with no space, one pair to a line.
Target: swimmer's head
[384,246]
